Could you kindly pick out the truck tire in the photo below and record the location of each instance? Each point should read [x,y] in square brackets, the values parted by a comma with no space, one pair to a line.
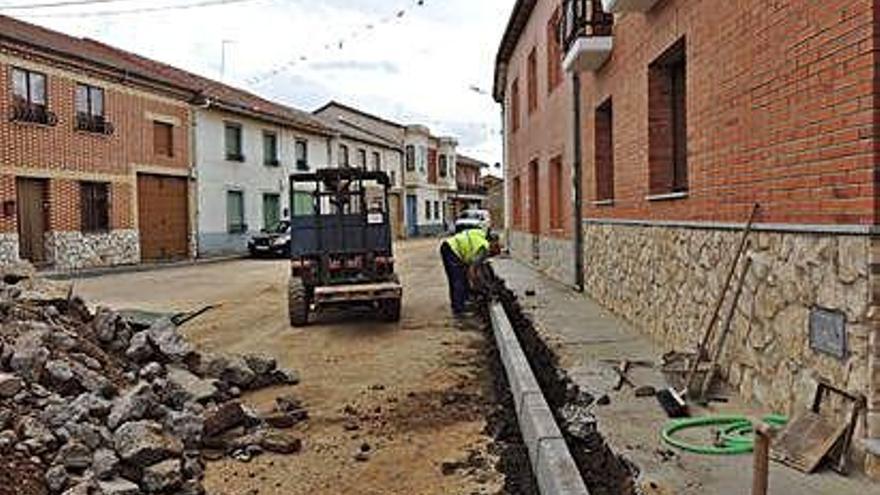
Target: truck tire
[389,310]
[297,302]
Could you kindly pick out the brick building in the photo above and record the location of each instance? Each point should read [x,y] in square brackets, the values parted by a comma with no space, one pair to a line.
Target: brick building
[680,116]
[94,152]
[470,192]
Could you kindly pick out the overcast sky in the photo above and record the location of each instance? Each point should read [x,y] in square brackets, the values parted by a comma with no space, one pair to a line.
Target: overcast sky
[416,68]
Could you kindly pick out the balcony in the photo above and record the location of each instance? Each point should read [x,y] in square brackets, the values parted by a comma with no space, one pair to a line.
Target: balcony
[621,6]
[33,114]
[94,123]
[586,32]
[472,189]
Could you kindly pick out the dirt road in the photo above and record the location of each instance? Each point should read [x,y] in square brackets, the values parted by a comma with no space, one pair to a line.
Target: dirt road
[408,397]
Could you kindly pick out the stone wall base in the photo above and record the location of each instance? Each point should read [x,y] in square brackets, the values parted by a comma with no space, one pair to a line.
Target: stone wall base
[77,250]
[8,248]
[549,255]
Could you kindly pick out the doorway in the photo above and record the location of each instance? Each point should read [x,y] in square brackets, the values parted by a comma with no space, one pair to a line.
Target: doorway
[412,215]
[33,212]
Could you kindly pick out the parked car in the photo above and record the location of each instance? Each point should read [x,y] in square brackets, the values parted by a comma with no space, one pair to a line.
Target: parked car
[473,219]
[271,242]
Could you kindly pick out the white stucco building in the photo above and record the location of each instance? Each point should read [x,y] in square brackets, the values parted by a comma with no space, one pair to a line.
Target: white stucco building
[424,172]
[244,158]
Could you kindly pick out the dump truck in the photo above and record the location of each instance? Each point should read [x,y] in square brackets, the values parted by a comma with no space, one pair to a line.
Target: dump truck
[341,252]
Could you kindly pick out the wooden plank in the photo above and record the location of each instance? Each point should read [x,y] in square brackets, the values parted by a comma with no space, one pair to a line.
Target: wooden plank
[806,441]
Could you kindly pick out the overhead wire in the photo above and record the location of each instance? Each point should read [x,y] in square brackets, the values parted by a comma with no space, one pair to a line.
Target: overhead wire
[139,10]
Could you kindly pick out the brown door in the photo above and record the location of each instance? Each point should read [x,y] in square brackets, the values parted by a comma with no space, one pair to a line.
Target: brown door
[163,217]
[32,214]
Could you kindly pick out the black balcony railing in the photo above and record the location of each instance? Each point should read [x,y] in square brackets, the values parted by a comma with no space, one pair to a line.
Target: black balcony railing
[465,188]
[33,114]
[584,18]
[93,123]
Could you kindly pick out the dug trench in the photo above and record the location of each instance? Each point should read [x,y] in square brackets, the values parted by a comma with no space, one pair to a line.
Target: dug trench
[604,472]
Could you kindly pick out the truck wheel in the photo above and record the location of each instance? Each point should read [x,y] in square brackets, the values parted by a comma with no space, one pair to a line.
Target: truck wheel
[389,309]
[297,303]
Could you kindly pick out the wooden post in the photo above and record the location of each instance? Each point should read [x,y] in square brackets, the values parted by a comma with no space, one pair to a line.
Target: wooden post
[761,475]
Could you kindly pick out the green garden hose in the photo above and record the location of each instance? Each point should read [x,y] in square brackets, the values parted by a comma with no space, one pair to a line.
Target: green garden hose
[735,434]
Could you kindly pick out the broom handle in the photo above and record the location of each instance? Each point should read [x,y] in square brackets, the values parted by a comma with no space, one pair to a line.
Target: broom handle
[707,334]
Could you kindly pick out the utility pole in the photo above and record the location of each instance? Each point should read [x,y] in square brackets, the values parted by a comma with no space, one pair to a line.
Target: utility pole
[577,181]
[223,44]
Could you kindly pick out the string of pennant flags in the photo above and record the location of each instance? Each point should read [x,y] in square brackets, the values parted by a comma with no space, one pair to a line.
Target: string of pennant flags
[339,44]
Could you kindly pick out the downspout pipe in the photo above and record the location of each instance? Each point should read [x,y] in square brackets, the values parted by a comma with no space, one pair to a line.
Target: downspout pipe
[577,184]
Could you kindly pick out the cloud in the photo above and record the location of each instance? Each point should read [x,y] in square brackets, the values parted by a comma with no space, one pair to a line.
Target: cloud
[415,69]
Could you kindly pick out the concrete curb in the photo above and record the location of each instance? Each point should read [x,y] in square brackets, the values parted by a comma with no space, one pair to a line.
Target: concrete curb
[142,267]
[552,463]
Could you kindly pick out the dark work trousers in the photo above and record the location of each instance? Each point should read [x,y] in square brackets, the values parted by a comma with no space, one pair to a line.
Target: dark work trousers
[456,275]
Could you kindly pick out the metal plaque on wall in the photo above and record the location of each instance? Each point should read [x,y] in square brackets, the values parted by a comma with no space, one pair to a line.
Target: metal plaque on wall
[828,332]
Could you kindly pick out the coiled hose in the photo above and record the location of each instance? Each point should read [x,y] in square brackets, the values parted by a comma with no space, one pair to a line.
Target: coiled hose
[734,434]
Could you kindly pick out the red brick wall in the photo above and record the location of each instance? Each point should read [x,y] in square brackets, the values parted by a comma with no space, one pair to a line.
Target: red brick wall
[64,155]
[780,111]
[543,134]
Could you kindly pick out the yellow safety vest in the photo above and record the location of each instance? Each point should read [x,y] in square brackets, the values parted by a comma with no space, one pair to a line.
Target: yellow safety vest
[468,245]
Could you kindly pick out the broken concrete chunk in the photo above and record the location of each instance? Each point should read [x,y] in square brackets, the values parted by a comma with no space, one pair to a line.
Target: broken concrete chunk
[74,456]
[162,477]
[171,344]
[144,443]
[280,443]
[92,381]
[56,478]
[105,464]
[184,387]
[238,373]
[29,356]
[118,486]
[224,418]
[261,365]
[137,403]
[139,348]
[9,385]
[59,371]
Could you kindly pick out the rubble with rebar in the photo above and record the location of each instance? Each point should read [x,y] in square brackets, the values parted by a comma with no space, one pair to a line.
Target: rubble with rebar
[94,403]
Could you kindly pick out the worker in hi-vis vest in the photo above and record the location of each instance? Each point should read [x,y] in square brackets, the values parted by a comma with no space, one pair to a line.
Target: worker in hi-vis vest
[462,254]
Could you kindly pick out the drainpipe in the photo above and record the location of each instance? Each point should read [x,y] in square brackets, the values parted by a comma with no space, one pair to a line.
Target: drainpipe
[577,181]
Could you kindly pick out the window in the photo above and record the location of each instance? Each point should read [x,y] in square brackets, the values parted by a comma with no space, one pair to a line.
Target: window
[427,209]
[343,156]
[234,142]
[235,212]
[377,161]
[270,149]
[303,204]
[554,53]
[444,166]
[517,202]
[410,158]
[29,97]
[423,159]
[362,158]
[163,139]
[90,109]
[94,198]
[302,154]
[514,105]
[271,211]
[667,122]
[532,80]
[556,193]
[604,150]
[436,210]
[393,178]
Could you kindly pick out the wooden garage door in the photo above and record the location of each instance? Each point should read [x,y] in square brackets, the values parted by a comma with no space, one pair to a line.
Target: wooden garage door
[162,217]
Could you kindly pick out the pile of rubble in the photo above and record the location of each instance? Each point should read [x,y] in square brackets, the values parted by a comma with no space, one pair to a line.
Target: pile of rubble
[98,404]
